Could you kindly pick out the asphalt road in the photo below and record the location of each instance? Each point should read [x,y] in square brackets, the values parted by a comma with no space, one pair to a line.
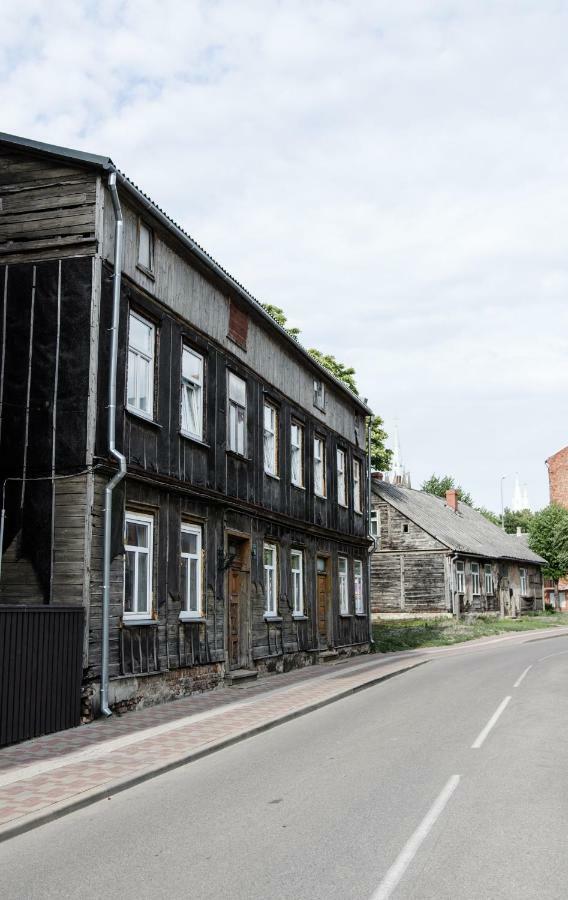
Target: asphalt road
[380,794]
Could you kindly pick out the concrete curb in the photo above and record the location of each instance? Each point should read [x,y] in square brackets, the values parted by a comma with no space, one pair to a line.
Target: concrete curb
[57,810]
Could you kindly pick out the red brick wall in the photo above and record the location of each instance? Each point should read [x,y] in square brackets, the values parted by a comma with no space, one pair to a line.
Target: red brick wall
[558,477]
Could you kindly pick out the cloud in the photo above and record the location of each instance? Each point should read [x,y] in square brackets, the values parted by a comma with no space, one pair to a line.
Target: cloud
[395,176]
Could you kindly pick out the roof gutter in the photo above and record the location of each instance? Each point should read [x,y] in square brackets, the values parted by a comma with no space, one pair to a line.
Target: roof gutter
[119,475]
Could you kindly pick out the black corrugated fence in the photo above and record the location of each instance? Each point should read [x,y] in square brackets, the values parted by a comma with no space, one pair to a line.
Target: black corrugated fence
[40,670]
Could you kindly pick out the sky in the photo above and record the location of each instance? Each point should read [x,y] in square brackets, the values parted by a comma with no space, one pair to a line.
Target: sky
[393,175]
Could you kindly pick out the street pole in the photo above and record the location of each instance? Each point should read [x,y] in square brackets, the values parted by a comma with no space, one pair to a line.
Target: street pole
[502,507]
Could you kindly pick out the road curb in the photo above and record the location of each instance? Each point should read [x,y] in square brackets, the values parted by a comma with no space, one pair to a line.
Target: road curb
[58,810]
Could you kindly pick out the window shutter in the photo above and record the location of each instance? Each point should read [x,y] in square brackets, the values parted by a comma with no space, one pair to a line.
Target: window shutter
[238,325]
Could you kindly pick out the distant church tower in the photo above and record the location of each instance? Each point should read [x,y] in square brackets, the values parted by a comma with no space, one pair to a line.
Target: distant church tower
[520,496]
[398,473]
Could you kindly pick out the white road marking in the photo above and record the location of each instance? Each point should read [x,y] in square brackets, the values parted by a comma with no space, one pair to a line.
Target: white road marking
[410,849]
[492,721]
[521,676]
[550,655]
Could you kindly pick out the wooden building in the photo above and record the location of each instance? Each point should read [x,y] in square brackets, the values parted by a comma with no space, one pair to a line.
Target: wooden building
[435,556]
[239,536]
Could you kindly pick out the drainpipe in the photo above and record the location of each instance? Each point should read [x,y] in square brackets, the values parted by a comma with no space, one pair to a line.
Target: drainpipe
[455,597]
[118,476]
[374,544]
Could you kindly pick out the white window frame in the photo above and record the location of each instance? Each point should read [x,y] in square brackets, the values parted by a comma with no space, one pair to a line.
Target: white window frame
[341,477]
[357,498]
[358,586]
[298,450]
[524,578]
[488,579]
[136,518]
[270,439]
[270,581]
[460,576]
[320,461]
[186,558]
[297,582]
[343,584]
[192,387]
[475,582]
[375,523]
[319,394]
[140,354]
[146,268]
[233,408]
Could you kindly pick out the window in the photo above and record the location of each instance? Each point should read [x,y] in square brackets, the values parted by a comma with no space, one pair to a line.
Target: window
[297,454]
[138,566]
[145,247]
[270,439]
[488,579]
[475,578]
[357,505]
[343,586]
[238,325]
[270,586]
[375,523]
[140,388]
[191,571]
[237,414]
[319,394]
[192,393]
[405,528]
[358,584]
[297,571]
[524,582]
[341,483]
[460,576]
[319,467]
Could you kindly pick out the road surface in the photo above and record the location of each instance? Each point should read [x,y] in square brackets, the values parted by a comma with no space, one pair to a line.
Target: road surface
[449,781]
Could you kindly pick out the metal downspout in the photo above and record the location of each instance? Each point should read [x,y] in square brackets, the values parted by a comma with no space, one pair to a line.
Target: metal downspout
[374,544]
[118,228]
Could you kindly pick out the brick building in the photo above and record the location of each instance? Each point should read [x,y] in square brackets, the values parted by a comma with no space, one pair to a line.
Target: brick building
[557,465]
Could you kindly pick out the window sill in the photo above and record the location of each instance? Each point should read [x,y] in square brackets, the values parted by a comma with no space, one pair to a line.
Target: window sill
[345,615]
[137,620]
[237,455]
[359,512]
[140,415]
[361,615]
[147,272]
[185,617]
[271,618]
[299,617]
[320,496]
[299,487]
[194,440]
[272,475]
[342,505]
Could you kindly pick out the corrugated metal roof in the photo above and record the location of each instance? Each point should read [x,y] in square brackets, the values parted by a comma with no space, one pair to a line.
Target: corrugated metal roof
[464,531]
[105,163]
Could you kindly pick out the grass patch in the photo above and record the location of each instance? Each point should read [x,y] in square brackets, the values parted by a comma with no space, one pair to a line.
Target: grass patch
[406,634]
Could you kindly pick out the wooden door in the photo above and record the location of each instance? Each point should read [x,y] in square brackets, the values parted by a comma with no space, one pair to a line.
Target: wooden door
[323,601]
[235,585]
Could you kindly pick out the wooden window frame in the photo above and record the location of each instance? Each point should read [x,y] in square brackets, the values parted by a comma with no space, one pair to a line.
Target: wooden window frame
[358,587]
[140,265]
[460,576]
[319,394]
[524,577]
[238,325]
[488,579]
[376,522]
[343,585]
[357,491]
[185,382]
[270,466]
[236,406]
[341,476]
[150,359]
[147,521]
[270,597]
[299,448]
[187,614]
[297,595]
[475,579]
[322,460]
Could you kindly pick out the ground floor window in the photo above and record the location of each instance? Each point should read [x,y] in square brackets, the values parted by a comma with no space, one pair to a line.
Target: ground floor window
[138,566]
[191,591]
[343,586]
[297,576]
[358,585]
[475,578]
[460,576]
[270,580]
[488,579]
[524,582]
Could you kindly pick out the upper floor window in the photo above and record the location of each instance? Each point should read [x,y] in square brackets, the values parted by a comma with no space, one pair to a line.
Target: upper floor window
[357,499]
[297,573]
[524,582]
[475,589]
[138,566]
[375,523]
[145,246]
[460,576]
[270,580]
[341,482]
[319,467]
[319,394]
[192,393]
[488,579]
[238,325]
[343,585]
[141,346]
[191,571]
[297,454]
[358,585]
[270,439]
[237,414]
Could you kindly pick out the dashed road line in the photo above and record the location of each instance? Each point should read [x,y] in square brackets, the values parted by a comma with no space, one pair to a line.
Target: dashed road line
[478,742]
[521,676]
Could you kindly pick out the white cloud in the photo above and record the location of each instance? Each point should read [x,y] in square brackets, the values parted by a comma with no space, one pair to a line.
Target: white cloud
[394,175]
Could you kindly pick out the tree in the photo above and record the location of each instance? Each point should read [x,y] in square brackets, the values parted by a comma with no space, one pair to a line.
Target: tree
[381,456]
[344,373]
[513,520]
[493,517]
[279,316]
[548,536]
[439,484]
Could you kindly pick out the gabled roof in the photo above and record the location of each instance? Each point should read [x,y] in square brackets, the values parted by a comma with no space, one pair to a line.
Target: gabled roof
[464,531]
[563,452]
[106,165]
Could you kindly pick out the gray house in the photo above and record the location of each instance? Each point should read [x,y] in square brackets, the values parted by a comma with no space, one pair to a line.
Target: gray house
[435,556]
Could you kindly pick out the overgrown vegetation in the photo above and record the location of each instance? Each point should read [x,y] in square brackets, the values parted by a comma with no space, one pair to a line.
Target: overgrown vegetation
[407,634]
[439,484]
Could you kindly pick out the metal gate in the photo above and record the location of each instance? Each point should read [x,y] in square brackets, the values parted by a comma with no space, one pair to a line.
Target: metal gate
[40,670]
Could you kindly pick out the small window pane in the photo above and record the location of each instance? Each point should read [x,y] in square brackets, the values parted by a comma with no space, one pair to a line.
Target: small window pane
[142,582]
[192,366]
[193,580]
[141,335]
[188,542]
[145,247]
[129,581]
[237,389]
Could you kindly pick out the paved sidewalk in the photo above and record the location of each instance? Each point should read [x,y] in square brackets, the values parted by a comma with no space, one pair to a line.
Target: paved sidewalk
[46,777]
